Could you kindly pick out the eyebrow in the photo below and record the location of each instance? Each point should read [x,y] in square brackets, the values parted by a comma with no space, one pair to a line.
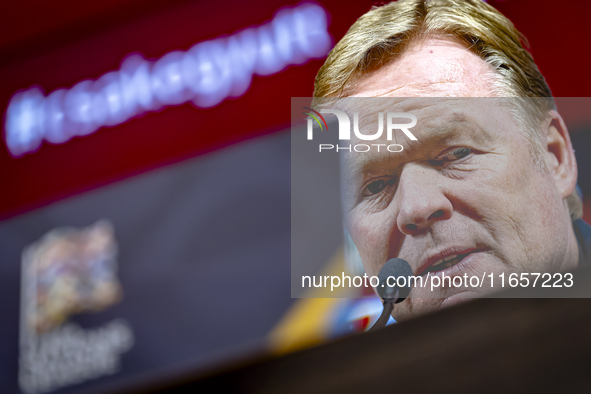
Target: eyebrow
[455,123]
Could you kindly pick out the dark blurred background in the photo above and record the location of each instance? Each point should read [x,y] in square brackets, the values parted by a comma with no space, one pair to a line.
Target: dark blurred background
[199,198]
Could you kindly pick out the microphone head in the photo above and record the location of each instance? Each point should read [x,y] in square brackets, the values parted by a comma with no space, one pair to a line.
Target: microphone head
[400,272]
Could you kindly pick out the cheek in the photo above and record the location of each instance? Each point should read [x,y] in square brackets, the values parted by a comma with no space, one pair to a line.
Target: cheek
[370,234]
[521,209]
[524,195]
[547,220]
[503,186]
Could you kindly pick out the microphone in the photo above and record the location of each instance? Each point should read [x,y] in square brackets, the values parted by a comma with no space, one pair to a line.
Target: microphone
[394,273]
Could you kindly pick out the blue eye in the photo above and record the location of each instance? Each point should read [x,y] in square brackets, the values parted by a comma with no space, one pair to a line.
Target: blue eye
[457,154]
[377,186]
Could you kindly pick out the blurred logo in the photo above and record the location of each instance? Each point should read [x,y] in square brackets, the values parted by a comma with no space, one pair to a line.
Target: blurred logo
[68,272]
[206,74]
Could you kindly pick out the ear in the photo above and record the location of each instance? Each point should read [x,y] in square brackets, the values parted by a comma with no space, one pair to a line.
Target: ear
[562,161]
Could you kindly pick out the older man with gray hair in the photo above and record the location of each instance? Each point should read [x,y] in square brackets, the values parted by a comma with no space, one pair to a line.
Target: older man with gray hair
[490,186]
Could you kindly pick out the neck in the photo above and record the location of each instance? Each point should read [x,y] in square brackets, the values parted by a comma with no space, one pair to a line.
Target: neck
[571,258]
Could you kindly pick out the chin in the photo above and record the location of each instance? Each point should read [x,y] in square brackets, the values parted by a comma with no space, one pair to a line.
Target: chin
[422,306]
[458,299]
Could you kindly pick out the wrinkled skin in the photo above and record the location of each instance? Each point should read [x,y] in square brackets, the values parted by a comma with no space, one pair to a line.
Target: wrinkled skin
[468,185]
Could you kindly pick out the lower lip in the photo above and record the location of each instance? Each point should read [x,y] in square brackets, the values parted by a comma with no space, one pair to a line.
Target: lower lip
[459,268]
[457,299]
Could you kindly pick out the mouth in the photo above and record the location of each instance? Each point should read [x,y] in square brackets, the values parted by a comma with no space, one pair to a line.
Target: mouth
[445,261]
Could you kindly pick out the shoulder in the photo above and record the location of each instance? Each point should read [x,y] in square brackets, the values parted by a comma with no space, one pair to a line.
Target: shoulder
[583,233]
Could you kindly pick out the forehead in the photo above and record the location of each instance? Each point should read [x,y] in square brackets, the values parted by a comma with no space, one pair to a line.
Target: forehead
[437,117]
[480,123]
[435,67]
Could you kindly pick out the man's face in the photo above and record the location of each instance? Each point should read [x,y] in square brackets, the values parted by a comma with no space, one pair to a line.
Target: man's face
[467,188]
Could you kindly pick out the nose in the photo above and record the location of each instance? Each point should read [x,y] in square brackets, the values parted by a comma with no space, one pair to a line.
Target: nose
[421,200]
